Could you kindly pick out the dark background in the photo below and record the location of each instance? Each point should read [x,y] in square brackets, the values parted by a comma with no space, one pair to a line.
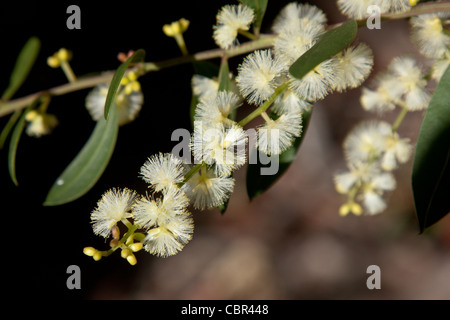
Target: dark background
[295,225]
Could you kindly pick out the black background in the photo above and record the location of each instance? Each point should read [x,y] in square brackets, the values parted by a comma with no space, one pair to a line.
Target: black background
[39,243]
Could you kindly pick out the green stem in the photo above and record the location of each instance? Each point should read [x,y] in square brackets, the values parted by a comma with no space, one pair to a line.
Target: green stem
[247,34]
[191,172]
[262,108]
[65,66]
[131,229]
[264,41]
[399,119]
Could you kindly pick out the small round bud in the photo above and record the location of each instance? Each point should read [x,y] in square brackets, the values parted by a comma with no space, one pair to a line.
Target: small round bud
[115,232]
[132,76]
[356,209]
[89,251]
[97,255]
[135,86]
[124,81]
[53,62]
[31,115]
[344,210]
[114,243]
[176,27]
[135,247]
[131,259]
[125,253]
[64,54]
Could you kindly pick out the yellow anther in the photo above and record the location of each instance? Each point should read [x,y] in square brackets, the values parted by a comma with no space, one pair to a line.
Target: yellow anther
[176,27]
[412,3]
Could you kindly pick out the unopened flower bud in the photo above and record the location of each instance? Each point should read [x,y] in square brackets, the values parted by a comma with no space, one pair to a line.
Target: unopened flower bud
[125,253]
[131,259]
[135,247]
[97,256]
[53,62]
[64,54]
[89,251]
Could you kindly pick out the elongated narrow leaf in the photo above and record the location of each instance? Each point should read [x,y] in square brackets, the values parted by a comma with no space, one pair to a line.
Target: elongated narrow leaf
[88,166]
[138,56]
[331,43]
[9,126]
[24,63]
[259,7]
[431,169]
[224,76]
[13,145]
[258,183]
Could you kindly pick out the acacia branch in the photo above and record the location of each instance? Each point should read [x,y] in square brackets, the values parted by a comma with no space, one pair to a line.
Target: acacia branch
[265,41]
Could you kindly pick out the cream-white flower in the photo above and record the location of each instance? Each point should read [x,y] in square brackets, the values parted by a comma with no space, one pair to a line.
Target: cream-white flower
[219,145]
[40,123]
[385,95]
[169,238]
[317,83]
[114,206]
[231,19]
[128,105]
[439,66]
[204,87]
[162,171]
[217,109]
[259,76]
[397,151]
[372,194]
[355,64]
[428,34]
[288,102]
[207,190]
[293,41]
[357,9]
[399,5]
[275,136]
[411,78]
[168,224]
[294,14]
[367,141]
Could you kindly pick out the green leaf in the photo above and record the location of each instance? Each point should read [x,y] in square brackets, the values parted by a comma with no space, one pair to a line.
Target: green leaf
[259,7]
[331,43]
[24,63]
[8,127]
[137,56]
[431,168]
[14,143]
[257,183]
[224,76]
[88,166]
